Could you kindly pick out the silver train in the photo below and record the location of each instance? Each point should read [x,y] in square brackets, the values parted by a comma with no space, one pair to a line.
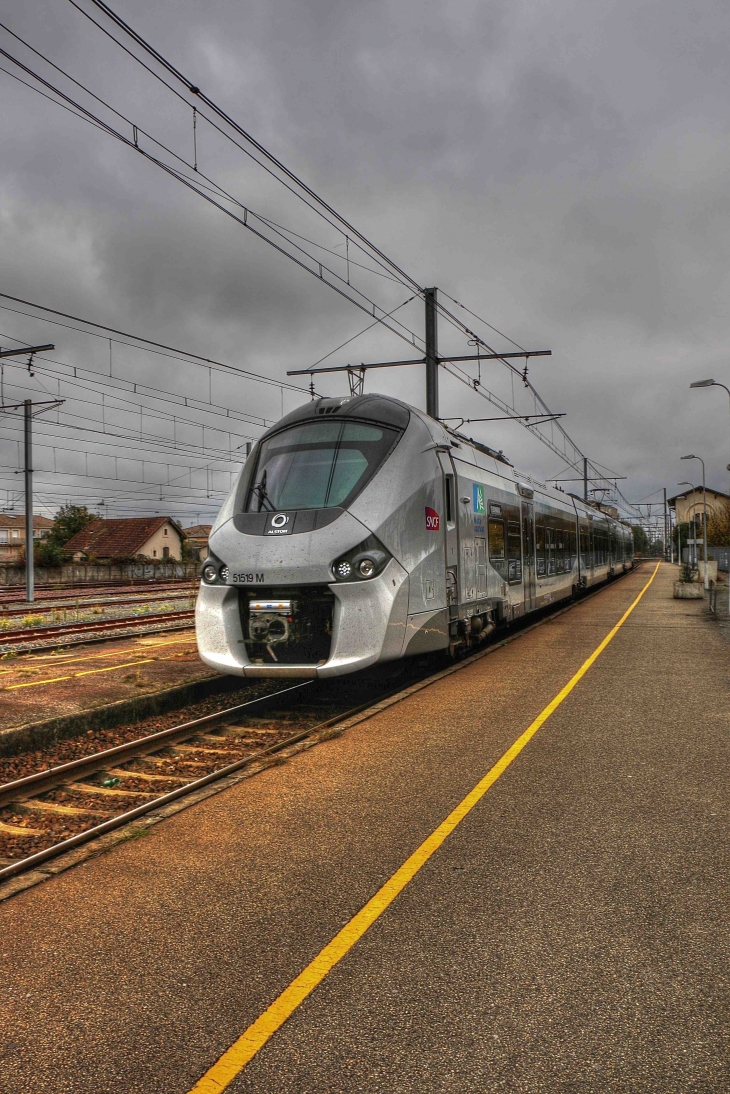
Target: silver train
[361,531]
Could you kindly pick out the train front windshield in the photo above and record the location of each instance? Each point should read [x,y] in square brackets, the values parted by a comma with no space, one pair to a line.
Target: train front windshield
[318,465]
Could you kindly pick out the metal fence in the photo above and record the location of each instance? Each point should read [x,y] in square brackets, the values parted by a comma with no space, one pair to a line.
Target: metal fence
[721,556]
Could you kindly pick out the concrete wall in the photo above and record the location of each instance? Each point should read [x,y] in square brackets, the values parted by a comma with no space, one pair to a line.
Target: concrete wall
[80,572]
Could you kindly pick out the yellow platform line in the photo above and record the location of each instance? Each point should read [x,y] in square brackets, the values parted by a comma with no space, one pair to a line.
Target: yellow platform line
[65,659]
[242,1051]
[75,675]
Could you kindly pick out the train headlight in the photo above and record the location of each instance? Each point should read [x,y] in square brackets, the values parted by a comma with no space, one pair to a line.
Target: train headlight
[366,560]
[214,572]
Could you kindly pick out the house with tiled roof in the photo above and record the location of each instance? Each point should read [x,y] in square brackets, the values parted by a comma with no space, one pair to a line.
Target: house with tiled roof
[197,539]
[124,538]
[689,505]
[12,534]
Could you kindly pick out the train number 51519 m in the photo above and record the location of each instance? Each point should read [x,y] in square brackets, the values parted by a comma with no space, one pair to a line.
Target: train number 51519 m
[248,579]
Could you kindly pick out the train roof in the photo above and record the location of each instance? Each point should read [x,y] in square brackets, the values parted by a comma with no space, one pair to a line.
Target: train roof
[372,408]
[386,410]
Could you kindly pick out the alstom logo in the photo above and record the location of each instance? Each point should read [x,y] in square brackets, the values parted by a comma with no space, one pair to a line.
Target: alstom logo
[433,520]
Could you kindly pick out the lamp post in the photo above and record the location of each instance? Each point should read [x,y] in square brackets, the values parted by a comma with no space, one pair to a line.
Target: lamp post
[711,383]
[704,515]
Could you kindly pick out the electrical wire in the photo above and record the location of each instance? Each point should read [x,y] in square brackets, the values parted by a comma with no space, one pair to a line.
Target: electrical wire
[306,192]
[155,347]
[349,230]
[365,304]
[165,396]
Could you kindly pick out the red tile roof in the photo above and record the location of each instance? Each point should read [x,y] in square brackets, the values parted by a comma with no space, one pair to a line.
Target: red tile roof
[121,538]
[198,531]
[39,522]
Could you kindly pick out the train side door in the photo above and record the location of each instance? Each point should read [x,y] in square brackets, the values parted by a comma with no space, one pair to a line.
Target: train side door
[470,571]
[480,545]
[591,547]
[529,577]
[451,533]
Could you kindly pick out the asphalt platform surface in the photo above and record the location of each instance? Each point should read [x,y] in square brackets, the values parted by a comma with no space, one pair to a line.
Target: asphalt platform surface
[569,936]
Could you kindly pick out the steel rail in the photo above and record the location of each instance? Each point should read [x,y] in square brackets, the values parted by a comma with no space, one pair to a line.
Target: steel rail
[29,863]
[42,781]
[62,630]
[82,593]
[117,602]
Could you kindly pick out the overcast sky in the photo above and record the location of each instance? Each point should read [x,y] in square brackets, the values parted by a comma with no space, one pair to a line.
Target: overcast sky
[561,168]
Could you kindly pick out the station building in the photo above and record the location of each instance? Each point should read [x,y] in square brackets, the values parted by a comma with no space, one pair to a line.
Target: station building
[689,505]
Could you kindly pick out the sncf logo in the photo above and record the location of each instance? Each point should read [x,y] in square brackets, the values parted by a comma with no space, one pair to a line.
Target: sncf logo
[433,521]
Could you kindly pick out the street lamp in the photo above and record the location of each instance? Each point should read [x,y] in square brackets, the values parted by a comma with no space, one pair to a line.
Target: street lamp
[711,383]
[704,515]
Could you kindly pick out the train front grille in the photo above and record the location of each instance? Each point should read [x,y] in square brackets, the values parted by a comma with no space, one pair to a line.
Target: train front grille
[288,625]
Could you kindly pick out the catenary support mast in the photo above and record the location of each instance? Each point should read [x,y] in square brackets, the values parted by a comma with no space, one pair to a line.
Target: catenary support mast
[432,375]
[28,468]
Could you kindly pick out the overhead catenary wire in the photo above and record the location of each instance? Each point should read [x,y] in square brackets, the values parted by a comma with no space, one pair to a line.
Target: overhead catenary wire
[302,190]
[445,312]
[154,347]
[138,437]
[364,303]
[307,194]
[96,379]
[139,130]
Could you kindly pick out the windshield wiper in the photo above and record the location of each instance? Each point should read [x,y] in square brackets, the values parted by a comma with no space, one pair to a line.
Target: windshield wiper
[260,491]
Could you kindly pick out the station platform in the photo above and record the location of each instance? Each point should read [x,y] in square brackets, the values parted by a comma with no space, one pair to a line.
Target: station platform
[568,935]
[70,680]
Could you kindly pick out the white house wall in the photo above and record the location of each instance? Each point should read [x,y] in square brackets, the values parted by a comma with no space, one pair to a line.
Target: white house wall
[154,546]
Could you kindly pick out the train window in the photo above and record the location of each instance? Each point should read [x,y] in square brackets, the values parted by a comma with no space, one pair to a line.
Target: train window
[496,539]
[317,465]
[449,498]
[550,549]
[514,551]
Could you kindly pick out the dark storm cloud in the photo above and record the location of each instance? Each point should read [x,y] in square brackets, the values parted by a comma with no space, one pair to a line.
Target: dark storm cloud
[563,169]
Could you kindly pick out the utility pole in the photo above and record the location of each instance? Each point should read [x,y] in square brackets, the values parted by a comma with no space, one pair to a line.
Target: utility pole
[585,479]
[27,405]
[28,448]
[432,375]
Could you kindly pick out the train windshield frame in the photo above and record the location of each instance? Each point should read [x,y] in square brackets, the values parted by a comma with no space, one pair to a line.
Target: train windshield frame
[318,464]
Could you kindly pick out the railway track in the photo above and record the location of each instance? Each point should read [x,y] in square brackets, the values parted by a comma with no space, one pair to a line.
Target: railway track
[80,631]
[83,591]
[92,602]
[88,797]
